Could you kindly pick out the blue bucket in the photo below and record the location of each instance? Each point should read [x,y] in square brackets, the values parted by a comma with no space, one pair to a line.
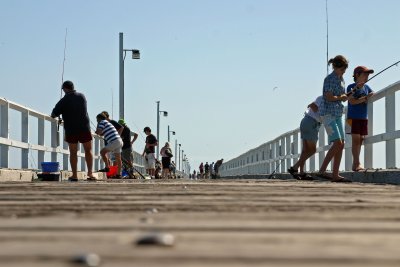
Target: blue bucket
[50,167]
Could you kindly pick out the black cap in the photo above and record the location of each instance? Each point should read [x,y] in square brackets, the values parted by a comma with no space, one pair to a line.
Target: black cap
[67,85]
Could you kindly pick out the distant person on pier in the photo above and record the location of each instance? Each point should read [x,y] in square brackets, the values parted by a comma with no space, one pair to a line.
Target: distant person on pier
[331,111]
[73,108]
[166,155]
[357,113]
[309,128]
[212,170]
[149,152]
[207,170]
[201,170]
[217,164]
[127,148]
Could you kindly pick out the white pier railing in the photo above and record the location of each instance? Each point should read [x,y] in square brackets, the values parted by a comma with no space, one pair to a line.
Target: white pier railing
[279,154]
[28,144]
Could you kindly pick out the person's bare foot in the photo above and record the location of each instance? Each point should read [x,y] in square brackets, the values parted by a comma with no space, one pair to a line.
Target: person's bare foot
[358,168]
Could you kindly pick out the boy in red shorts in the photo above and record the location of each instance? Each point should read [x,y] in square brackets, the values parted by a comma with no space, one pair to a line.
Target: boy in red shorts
[357,112]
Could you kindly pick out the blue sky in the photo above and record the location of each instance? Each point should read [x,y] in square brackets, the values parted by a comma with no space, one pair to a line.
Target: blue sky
[212,64]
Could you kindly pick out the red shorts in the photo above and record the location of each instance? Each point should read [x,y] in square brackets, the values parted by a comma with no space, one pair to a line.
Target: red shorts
[81,138]
[359,127]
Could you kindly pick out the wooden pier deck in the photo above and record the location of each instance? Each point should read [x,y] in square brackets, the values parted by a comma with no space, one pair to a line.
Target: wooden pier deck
[213,223]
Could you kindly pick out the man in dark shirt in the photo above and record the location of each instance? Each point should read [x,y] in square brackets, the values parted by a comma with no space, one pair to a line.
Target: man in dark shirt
[216,167]
[149,150]
[127,150]
[207,170]
[73,108]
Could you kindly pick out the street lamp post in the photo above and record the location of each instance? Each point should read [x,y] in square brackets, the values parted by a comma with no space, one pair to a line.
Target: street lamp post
[176,152]
[179,159]
[122,53]
[173,133]
[183,169]
[165,113]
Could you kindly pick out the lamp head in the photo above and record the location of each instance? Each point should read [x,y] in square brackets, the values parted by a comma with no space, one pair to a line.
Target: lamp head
[135,54]
[165,113]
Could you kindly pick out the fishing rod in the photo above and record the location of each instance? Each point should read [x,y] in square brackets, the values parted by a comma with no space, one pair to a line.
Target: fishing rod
[385,69]
[125,163]
[62,81]
[277,167]
[394,64]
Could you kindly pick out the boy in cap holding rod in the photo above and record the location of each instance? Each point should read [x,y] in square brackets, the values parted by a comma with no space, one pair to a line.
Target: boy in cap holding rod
[357,111]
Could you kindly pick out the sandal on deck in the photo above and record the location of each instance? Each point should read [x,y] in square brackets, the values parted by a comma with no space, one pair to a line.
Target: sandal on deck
[304,177]
[293,172]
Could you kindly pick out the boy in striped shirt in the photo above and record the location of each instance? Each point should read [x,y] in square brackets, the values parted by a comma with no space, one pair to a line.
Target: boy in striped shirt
[113,140]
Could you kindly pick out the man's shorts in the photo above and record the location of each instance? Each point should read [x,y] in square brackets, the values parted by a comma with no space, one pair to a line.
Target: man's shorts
[115,146]
[359,127]
[309,129]
[81,138]
[334,128]
[127,154]
[149,161]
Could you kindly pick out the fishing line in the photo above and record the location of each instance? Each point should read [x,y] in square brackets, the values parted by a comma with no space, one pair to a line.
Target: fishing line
[327,38]
[62,81]
[140,132]
[63,65]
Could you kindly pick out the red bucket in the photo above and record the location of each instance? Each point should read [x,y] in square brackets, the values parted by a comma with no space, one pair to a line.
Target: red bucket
[113,171]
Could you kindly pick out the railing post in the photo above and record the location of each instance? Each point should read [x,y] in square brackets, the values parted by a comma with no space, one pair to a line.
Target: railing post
[83,162]
[295,146]
[268,157]
[276,156]
[390,110]
[25,139]
[368,148]
[54,144]
[348,155]
[272,157]
[288,154]
[101,147]
[281,153]
[321,154]
[4,133]
[65,156]
[96,153]
[40,139]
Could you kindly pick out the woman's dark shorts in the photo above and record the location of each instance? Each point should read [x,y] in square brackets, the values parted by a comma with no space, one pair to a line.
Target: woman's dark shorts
[166,162]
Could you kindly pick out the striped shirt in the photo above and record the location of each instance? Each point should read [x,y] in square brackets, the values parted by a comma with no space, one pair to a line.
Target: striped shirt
[109,132]
[335,85]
